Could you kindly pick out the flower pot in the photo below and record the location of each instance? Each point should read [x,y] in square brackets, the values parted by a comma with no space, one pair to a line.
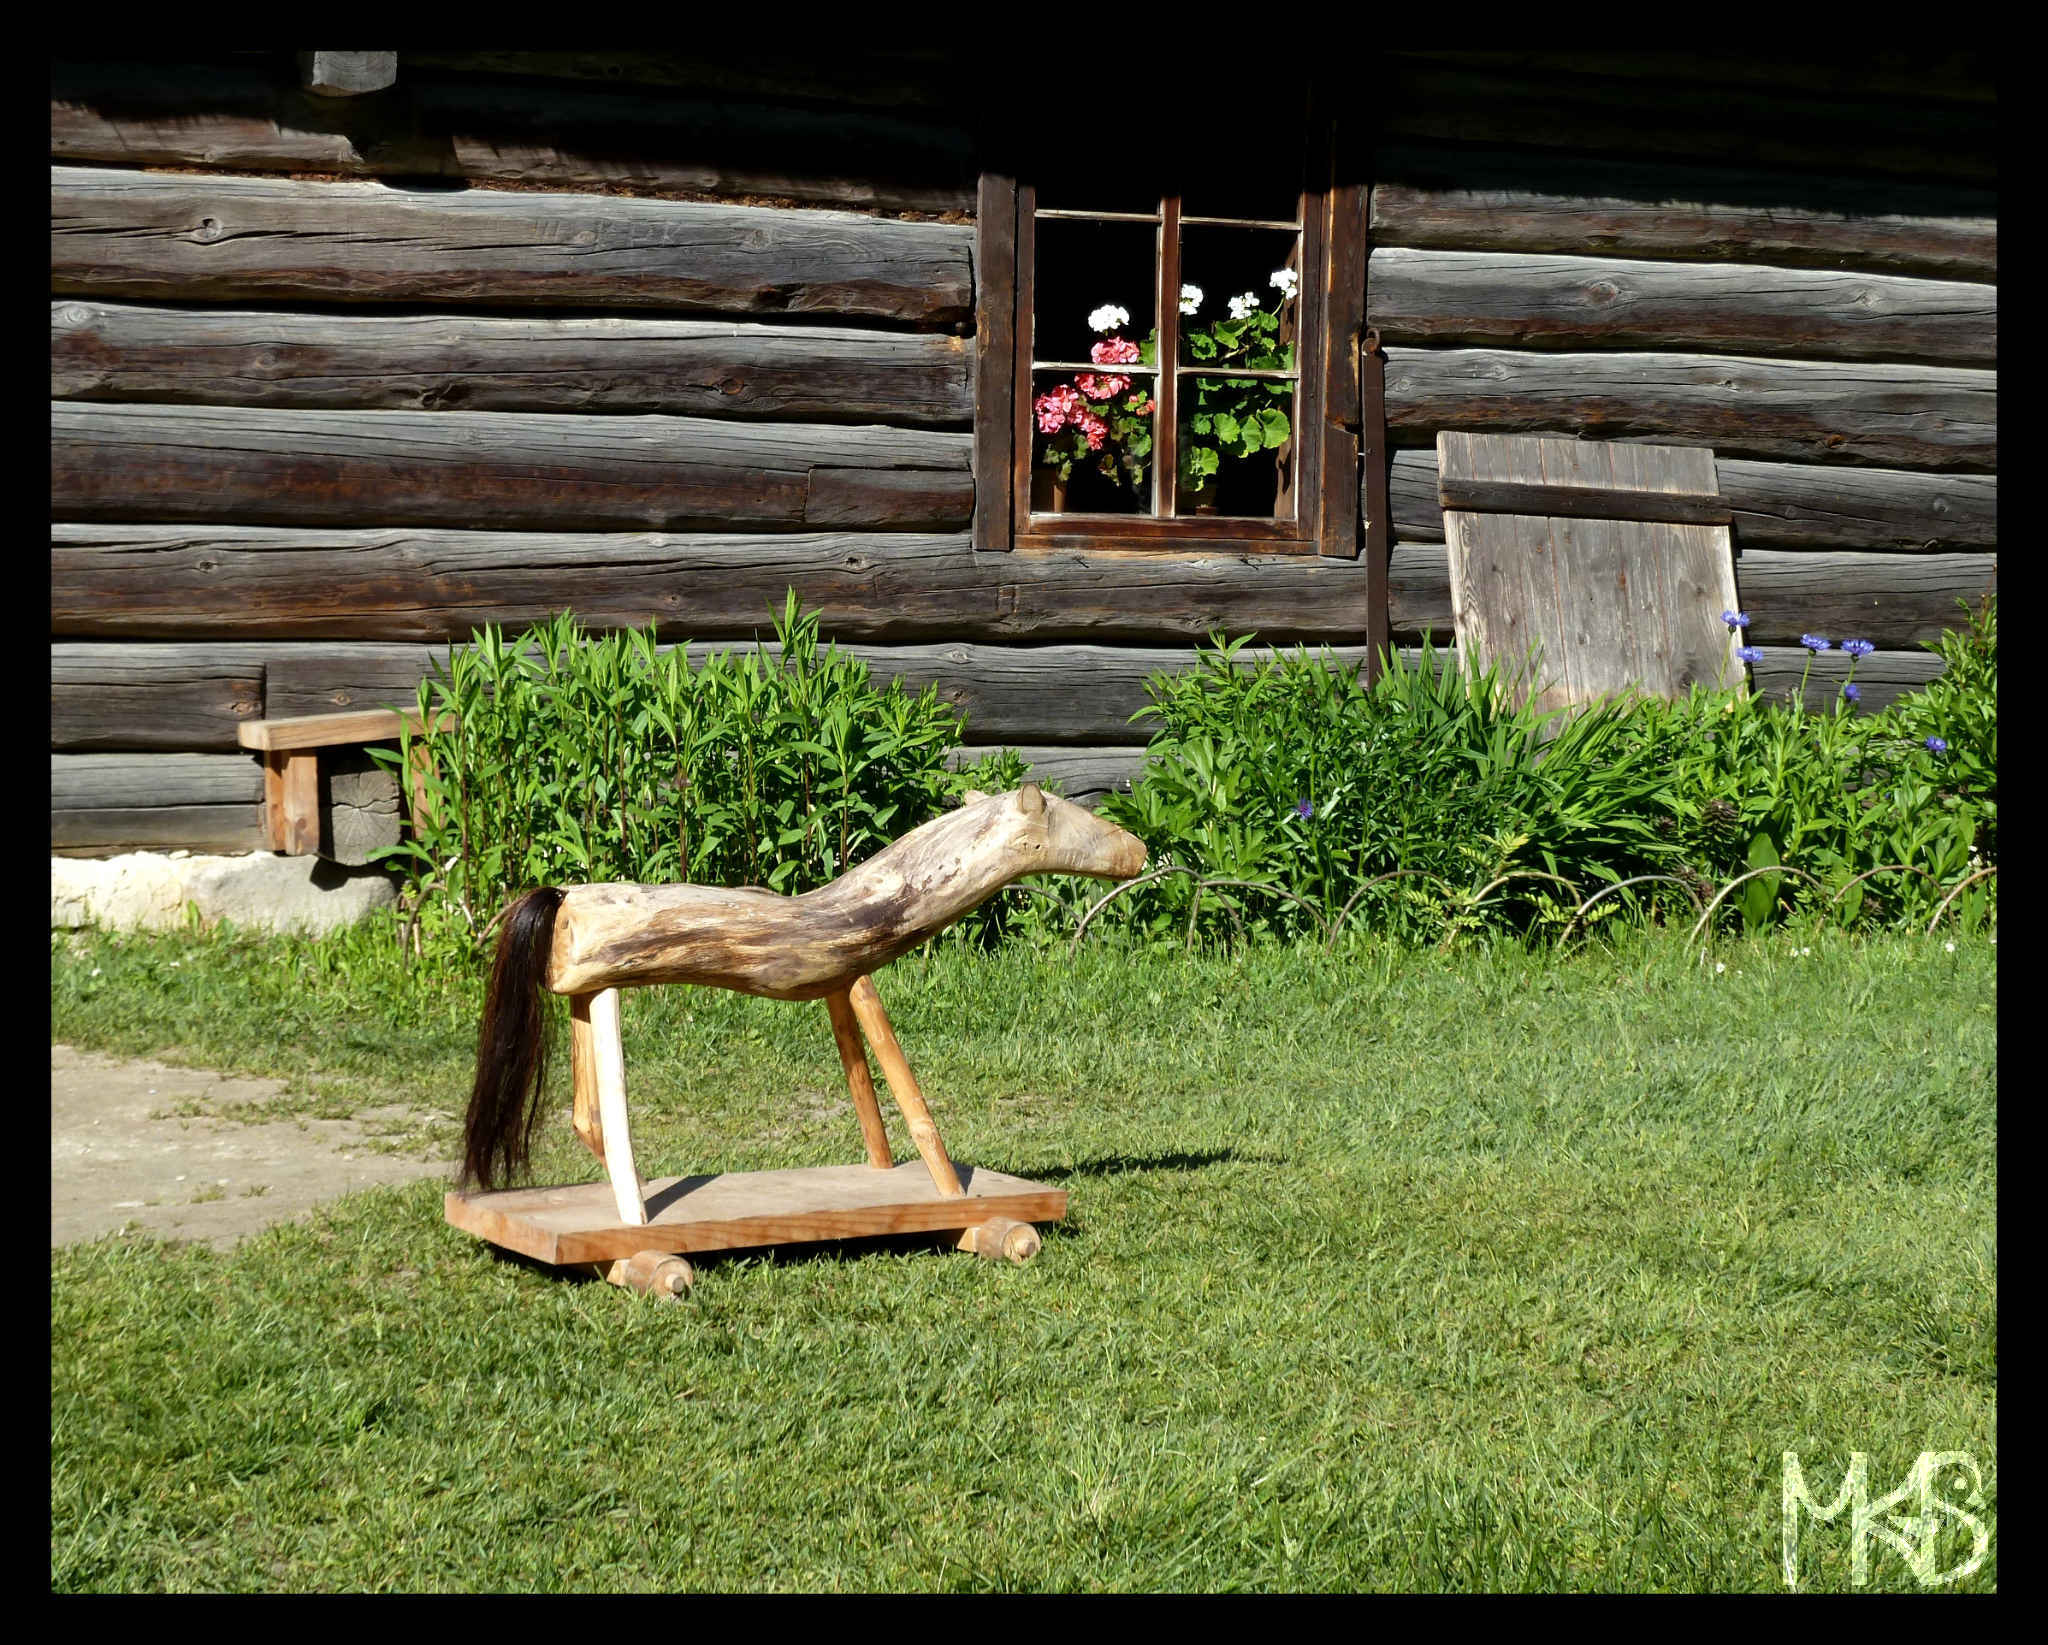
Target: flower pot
[1199,499]
[1048,491]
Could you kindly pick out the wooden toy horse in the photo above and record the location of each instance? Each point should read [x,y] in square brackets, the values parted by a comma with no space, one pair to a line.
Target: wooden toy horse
[588,941]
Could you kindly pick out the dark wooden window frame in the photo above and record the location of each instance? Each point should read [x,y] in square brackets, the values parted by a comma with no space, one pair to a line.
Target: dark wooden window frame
[1330,318]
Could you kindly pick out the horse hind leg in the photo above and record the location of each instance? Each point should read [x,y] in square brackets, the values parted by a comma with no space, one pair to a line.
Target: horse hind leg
[583,1075]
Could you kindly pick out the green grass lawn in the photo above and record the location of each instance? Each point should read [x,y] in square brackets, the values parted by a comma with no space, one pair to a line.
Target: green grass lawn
[1398,1270]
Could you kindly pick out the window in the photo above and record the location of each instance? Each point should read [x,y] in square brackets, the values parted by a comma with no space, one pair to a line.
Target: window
[1171,364]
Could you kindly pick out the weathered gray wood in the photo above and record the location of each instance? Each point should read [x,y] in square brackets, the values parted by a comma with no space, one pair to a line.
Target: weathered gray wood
[1520,300]
[1603,605]
[143,236]
[1896,600]
[1515,201]
[1022,694]
[241,117]
[1882,678]
[458,468]
[135,697]
[1883,416]
[359,806]
[347,73]
[1084,775]
[1723,125]
[1789,505]
[166,801]
[442,362]
[235,582]
[109,802]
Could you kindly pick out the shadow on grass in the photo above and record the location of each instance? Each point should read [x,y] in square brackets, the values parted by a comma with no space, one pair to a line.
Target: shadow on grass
[1116,1165]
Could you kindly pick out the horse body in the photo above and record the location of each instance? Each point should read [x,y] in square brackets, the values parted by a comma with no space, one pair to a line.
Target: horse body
[585,940]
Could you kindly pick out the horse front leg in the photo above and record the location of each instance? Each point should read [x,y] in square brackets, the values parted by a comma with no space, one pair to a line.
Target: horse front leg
[854,1060]
[597,1064]
[874,1022]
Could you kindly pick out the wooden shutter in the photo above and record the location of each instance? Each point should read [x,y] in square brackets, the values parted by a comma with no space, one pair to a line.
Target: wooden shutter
[1615,561]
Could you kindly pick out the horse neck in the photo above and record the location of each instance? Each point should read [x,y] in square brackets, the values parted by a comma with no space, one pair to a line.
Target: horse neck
[958,861]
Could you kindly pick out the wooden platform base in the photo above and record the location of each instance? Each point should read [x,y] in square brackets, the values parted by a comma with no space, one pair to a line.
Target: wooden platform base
[742,1209]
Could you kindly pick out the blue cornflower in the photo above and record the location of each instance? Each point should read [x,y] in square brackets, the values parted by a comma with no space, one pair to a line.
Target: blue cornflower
[1858,648]
[1935,745]
[1816,643]
[1750,653]
[1304,809]
[1853,692]
[1735,619]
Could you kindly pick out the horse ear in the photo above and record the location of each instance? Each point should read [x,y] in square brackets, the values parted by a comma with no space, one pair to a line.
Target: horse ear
[971,796]
[1031,799]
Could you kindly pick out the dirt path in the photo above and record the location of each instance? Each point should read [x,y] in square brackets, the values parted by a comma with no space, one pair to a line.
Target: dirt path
[112,1165]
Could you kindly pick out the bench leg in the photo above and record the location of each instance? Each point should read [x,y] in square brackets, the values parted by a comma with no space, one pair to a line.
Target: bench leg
[291,800]
[608,1058]
[874,1022]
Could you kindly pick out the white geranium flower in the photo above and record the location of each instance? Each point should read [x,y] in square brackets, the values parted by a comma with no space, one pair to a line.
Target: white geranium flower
[1241,306]
[1286,279]
[1109,317]
[1190,299]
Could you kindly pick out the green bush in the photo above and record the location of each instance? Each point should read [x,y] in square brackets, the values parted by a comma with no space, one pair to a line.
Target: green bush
[581,758]
[1429,803]
[1282,798]
[1293,774]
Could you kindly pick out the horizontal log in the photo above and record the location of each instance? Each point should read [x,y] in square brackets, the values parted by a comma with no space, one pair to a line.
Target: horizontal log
[516,471]
[382,362]
[146,236]
[887,75]
[1896,600]
[1515,201]
[1520,300]
[102,803]
[1024,694]
[1787,505]
[246,117]
[1725,125]
[137,697]
[237,582]
[1882,678]
[1083,775]
[1882,416]
[1908,74]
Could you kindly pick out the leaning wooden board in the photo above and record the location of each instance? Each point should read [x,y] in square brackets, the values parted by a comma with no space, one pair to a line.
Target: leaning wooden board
[743,1209]
[1610,564]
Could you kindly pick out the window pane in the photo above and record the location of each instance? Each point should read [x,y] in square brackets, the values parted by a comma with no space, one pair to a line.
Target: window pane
[1237,448]
[1239,297]
[1094,282]
[1091,442]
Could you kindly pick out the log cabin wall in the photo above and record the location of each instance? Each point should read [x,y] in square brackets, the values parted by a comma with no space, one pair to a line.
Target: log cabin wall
[653,338]
[1795,264]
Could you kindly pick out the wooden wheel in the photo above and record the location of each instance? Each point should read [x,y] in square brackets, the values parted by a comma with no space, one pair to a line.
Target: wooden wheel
[1002,1240]
[660,1274]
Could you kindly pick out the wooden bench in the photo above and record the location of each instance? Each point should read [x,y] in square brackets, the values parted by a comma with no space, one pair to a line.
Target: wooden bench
[291,766]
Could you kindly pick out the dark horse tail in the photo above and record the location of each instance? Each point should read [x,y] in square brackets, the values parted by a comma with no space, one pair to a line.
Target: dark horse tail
[511,1045]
